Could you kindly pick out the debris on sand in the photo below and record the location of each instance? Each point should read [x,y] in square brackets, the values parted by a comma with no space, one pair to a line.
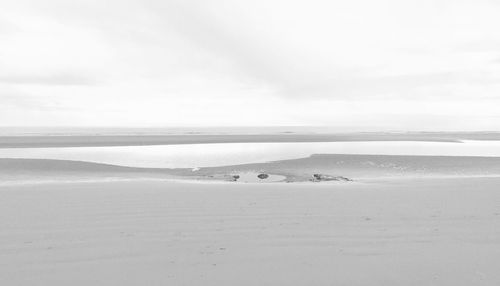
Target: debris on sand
[262,176]
[232,178]
[323,177]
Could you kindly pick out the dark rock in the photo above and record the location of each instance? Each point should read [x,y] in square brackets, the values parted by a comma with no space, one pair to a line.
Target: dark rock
[262,176]
[233,178]
[323,177]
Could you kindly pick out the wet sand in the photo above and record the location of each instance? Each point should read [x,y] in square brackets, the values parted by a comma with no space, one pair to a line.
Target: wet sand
[143,140]
[354,167]
[83,140]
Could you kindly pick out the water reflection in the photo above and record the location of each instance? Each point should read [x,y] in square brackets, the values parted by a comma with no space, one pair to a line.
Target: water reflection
[204,155]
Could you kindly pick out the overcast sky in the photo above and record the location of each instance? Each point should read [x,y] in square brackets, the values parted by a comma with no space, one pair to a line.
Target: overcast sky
[365,64]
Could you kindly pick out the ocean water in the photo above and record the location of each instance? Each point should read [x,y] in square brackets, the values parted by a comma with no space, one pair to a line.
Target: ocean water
[206,155]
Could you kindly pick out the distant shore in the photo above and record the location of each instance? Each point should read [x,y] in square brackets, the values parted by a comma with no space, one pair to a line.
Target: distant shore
[33,141]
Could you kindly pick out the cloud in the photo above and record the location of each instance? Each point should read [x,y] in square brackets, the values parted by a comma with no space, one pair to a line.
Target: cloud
[6,27]
[49,79]
[338,50]
[221,62]
[19,100]
[408,86]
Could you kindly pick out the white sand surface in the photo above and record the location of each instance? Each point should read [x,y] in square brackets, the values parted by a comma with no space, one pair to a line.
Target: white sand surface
[403,232]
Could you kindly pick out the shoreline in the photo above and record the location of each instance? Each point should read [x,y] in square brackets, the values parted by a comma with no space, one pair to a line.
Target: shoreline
[306,183]
[338,166]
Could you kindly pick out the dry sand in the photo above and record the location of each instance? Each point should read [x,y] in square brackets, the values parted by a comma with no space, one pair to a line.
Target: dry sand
[403,232]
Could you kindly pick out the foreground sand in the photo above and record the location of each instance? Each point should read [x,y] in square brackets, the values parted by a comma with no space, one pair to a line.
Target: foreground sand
[400,232]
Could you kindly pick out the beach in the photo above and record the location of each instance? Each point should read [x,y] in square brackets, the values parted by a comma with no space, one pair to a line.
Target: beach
[249,143]
[395,220]
[410,232]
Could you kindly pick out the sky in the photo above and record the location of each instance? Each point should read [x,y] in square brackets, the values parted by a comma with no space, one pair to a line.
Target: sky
[356,65]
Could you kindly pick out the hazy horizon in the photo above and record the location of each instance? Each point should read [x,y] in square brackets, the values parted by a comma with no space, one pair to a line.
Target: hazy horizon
[68,130]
